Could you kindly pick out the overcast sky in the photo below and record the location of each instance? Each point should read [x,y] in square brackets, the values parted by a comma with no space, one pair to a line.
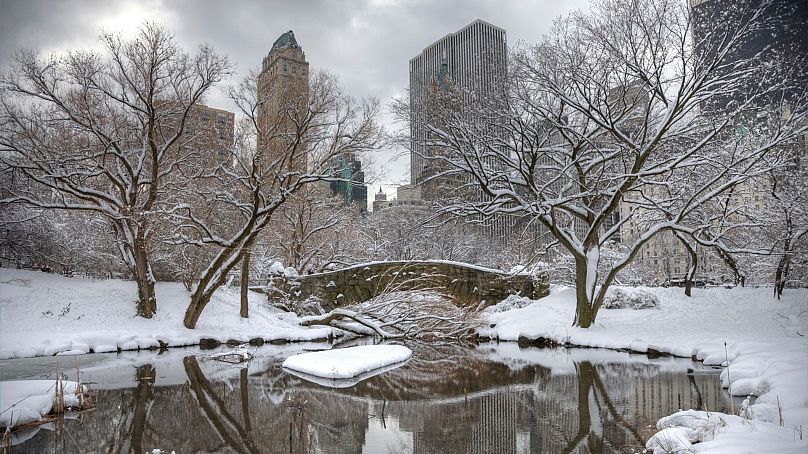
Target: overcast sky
[367,43]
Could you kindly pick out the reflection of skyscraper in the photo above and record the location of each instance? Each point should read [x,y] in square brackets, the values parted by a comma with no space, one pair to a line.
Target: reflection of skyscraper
[471,61]
[283,88]
[496,431]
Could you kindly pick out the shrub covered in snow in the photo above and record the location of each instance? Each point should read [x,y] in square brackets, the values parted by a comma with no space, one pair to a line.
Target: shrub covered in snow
[510,303]
[623,297]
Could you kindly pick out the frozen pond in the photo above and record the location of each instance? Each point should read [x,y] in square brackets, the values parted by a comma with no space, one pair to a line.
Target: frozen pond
[493,398]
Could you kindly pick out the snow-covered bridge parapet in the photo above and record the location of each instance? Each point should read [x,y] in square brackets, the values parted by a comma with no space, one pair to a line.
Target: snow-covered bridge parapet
[468,285]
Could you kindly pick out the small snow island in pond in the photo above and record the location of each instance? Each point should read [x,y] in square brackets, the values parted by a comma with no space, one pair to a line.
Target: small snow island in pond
[346,363]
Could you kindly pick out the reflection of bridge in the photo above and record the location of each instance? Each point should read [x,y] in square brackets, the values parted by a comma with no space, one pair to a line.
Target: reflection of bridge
[467,285]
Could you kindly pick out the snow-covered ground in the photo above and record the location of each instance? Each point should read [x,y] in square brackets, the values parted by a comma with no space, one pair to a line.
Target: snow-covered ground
[47,314]
[766,350]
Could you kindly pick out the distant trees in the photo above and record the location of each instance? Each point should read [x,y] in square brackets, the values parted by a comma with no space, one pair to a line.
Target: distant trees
[61,241]
[415,232]
[603,114]
[788,207]
[101,133]
[315,231]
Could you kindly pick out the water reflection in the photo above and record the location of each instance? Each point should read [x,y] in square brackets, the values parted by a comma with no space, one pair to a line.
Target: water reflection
[496,399]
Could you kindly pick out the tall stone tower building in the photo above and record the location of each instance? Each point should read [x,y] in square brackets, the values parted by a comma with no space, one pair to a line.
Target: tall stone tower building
[283,88]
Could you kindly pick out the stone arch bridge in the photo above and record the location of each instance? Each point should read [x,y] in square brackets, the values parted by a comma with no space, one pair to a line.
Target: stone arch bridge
[467,285]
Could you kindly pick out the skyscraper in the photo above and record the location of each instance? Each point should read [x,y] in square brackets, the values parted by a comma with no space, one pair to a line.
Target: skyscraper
[471,62]
[283,89]
[213,131]
[777,43]
[351,184]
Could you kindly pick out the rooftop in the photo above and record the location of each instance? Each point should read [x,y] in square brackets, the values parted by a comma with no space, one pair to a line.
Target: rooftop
[286,40]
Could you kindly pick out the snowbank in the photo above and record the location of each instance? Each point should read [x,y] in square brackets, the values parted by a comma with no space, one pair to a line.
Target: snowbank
[761,339]
[701,431]
[344,363]
[24,401]
[45,314]
[629,298]
[510,303]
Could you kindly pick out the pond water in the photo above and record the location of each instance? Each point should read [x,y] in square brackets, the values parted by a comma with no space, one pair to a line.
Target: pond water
[488,398]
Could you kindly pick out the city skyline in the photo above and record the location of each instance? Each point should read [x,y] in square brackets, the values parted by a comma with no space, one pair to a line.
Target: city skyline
[367,44]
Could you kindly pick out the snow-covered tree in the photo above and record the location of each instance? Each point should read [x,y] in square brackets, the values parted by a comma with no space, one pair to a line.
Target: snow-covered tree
[315,231]
[294,150]
[604,113]
[788,206]
[100,133]
[417,232]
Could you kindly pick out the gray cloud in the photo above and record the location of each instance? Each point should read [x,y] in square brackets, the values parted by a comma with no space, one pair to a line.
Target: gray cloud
[368,43]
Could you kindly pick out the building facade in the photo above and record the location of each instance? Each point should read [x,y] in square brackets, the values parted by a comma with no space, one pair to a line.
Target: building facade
[459,73]
[283,90]
[471,62]
[212,131]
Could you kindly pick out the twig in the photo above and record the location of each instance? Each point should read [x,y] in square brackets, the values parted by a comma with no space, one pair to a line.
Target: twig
[729,379]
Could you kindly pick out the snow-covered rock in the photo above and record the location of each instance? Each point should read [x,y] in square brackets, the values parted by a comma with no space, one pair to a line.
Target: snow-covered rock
[702,431]
[343,363]
[629,298]
[510,303]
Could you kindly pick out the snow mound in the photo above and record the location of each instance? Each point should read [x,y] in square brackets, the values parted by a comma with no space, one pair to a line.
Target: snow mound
[343,382]
[626,297]
[510,303]
[343,363]
[722,433]
[24,401]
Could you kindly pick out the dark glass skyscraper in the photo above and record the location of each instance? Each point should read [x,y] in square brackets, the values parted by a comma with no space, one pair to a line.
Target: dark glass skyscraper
[777,48]
[472,61]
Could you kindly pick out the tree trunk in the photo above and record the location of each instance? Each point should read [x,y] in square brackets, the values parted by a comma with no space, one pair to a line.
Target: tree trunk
[692,264]
[199,300]
[245,283]
[781,274]
[730,262]
[213,278]
[147,302]
[585,308]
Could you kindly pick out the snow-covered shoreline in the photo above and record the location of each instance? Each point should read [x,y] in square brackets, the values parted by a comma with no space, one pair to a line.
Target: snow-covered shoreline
[761,339]
[44,314]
